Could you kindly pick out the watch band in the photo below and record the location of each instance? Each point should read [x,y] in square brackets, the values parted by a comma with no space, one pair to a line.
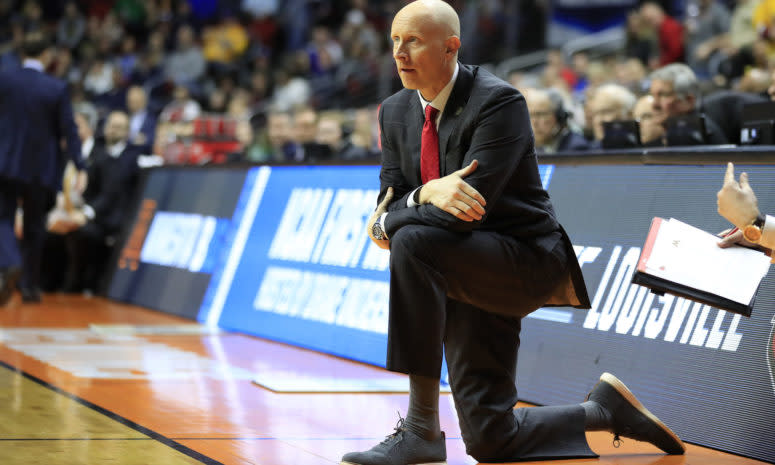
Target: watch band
[753,232]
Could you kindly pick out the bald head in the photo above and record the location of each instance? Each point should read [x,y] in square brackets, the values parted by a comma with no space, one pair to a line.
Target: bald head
[436,12]
[426,38]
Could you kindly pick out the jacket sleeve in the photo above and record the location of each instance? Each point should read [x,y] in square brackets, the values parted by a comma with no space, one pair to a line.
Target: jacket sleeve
[390,174]
[69,132]
[501,137]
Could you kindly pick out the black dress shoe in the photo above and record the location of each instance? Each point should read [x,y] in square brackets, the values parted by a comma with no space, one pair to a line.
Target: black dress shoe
[8,278]
[403,447]
[30,294]
[630,418]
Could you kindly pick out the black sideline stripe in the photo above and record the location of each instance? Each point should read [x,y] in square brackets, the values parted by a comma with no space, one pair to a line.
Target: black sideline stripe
[114,416]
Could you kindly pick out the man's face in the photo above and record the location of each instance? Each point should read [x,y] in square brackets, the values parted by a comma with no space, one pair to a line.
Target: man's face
[116,128]
[135,99]
[542,118]
[667,102]
[329,132]
[420,53]
[605,108]
[278,129]
[644,114]
[305,126]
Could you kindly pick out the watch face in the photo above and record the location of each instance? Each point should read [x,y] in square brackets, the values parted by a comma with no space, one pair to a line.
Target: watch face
[752,233]
[376,231]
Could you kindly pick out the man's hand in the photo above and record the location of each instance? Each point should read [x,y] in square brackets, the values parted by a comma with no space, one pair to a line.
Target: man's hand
[381,208]
[731,239]
[455,196]
[736,201]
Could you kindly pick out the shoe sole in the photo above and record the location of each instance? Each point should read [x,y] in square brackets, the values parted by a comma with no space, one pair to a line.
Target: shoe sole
[423,463]
[630,397]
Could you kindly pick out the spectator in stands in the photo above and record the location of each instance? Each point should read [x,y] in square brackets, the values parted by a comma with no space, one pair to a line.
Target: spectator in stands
[71,27]
[366,130]
[674,88]
[182,108]
[611,102]
[186,64]
[670,34]
[754,80]
[330,133]
[252,148]
[280,134]
[641,40]
[142,123]
[111,183]
[238,106]
[224,42]
[305,130]
[100,78]
[127,60]
[291,89]
[651,132]
[705,34]
[737,46]
[549,120]
[64,217]
[631,73]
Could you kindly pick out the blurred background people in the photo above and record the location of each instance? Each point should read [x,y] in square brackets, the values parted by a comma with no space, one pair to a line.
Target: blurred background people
[142,122]
[549,120]
[611,102]
[675,91]
[651,131]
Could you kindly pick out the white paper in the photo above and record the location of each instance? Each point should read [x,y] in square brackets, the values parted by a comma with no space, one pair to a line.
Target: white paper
[690,256]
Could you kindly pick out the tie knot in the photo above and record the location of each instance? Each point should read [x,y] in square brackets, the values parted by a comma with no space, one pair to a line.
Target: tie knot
[430,113]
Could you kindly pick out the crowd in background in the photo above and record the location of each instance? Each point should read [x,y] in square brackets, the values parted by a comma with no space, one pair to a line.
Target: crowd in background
[299,81]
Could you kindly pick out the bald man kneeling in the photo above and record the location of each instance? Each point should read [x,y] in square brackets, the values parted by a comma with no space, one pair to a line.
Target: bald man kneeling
[474,247]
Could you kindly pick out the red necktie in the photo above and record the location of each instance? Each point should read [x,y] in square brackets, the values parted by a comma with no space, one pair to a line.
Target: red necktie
[429,150]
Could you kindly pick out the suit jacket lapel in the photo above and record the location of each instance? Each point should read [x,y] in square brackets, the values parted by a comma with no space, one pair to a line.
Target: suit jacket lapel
[415,119]
[452,111]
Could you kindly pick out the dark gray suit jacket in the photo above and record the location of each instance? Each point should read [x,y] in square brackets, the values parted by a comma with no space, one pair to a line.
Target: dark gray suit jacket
[485,119]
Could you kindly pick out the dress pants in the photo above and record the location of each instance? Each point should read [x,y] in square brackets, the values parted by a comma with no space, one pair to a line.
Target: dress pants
[9,248]
[467,293]
[35,201]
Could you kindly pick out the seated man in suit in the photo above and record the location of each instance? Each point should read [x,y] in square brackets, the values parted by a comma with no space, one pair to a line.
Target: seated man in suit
[112,179]
[474,247]
[674,88]
[549,120]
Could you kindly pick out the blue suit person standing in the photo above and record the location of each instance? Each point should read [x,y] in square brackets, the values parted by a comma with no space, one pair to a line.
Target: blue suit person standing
[39,136]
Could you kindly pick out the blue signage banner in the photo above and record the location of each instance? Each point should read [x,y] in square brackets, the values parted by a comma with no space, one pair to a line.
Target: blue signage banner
[301,268]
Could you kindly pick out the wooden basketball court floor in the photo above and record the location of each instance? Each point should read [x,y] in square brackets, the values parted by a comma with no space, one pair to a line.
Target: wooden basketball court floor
[74,395]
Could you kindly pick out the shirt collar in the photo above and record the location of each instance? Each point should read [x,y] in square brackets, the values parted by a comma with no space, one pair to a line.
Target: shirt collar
[441,100]
[116,149]
[33,64]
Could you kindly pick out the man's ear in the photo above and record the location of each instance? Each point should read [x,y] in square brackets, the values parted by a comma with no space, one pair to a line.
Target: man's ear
[452,44]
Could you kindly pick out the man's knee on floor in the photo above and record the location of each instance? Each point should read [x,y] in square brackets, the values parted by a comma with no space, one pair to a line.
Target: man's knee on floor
[484,449]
